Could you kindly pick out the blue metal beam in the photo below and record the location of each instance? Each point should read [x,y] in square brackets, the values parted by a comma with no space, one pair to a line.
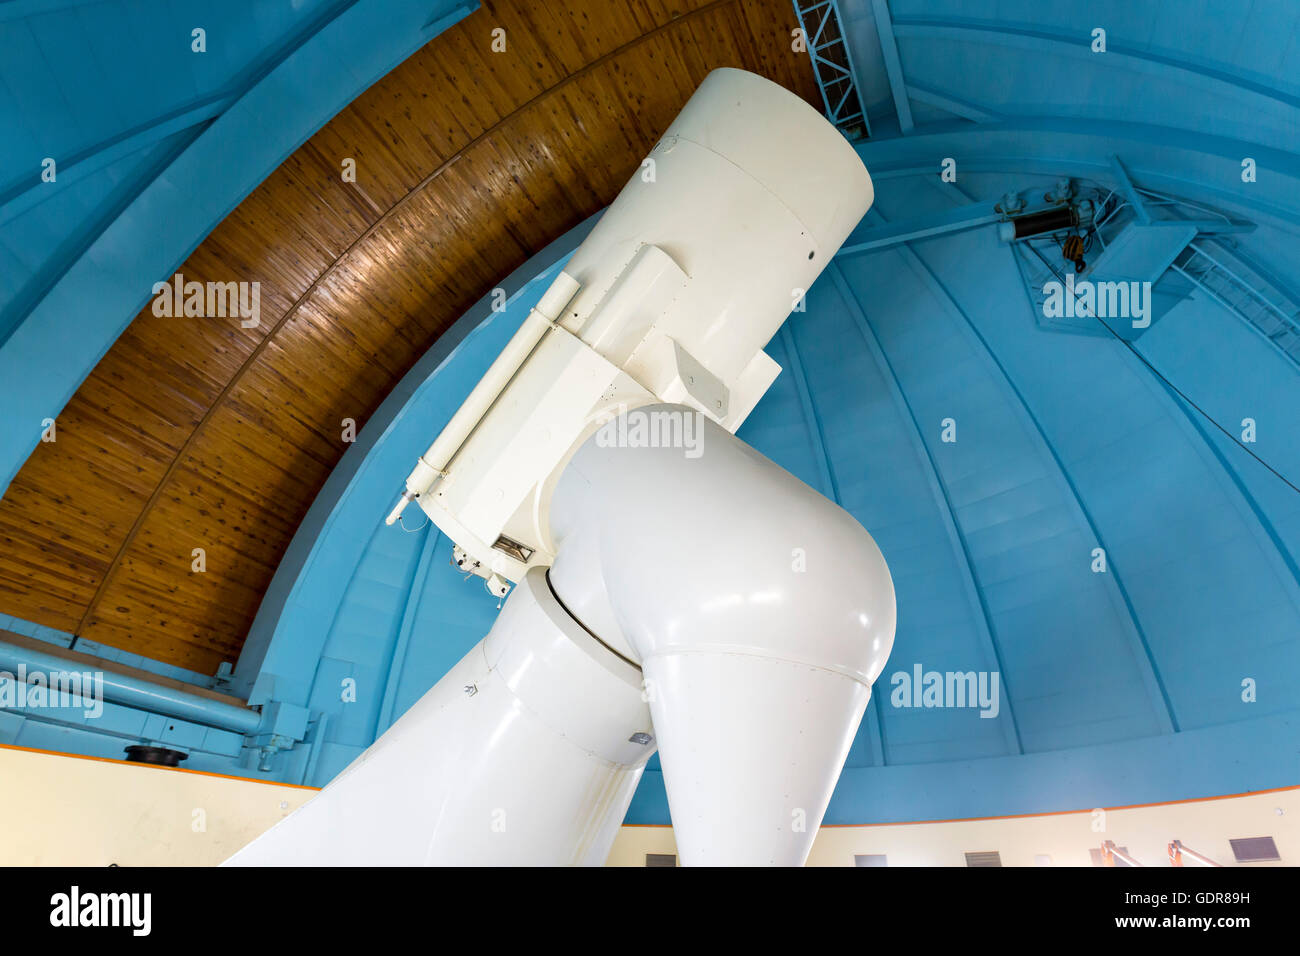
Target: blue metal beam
[21,195]
[1133,194]
[411,610]
[82,311]
[923,227]
[970,580]
[1129,190]
[1068,44]
[1172,160]
[1054,132]
[1212,226]
[946,101]
[893,65]
[134,691]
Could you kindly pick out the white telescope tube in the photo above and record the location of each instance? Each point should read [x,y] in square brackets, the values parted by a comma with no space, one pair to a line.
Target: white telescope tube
[670,298]
[526,753]
[751,192]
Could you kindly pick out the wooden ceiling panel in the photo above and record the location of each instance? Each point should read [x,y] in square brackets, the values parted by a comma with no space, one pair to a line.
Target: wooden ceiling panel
[197,433]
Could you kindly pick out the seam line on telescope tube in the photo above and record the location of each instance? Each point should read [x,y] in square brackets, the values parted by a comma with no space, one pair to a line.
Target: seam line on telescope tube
[574,618]
[522,706]
[742,650]
[752,178]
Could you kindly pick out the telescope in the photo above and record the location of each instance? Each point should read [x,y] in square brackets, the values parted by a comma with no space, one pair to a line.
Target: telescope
[666,588]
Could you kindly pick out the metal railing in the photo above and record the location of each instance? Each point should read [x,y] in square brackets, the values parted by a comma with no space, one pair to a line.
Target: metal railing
[1240,295]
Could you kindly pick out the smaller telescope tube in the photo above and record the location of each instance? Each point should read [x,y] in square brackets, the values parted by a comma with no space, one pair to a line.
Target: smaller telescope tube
[433,463]
[1038,223]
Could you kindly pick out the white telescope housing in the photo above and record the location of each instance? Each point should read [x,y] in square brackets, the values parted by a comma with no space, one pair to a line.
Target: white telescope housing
[671,298]
[674,588]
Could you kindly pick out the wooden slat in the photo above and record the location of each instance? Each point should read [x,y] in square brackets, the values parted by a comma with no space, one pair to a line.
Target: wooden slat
[199,433]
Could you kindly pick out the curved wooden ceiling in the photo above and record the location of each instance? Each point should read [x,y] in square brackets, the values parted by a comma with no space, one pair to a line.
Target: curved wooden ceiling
[197,433]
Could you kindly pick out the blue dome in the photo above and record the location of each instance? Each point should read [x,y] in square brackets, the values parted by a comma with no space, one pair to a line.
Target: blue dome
[1098,517]
[1097,532]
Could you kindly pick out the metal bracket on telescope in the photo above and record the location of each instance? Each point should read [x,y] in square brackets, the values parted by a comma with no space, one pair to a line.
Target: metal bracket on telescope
[432,465]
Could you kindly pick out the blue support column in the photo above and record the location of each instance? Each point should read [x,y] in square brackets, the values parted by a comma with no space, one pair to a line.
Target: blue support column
[832,61]
[415,592]
[922,227]
[893,65]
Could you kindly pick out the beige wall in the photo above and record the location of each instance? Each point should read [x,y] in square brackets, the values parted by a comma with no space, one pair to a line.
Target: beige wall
[65,810]
[1203,825]
[77,811]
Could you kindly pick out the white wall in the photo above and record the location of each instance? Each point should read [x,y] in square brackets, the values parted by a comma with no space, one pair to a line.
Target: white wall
[83,811]
[1203,825]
